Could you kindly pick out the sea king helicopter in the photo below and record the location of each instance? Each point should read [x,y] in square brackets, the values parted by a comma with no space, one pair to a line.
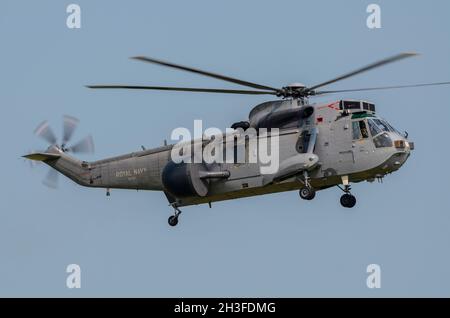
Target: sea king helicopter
[320,146]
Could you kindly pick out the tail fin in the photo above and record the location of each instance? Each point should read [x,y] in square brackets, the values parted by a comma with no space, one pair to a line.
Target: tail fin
[42,156]
[68,166]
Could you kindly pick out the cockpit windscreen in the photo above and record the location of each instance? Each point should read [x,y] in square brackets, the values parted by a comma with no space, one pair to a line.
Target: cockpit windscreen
[378,126]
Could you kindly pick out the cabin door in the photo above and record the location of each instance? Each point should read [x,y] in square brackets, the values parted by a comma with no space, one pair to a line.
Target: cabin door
[342,145]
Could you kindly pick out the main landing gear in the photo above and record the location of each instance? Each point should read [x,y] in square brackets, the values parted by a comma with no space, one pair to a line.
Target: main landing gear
[173,219]
[347,200]
[307,192]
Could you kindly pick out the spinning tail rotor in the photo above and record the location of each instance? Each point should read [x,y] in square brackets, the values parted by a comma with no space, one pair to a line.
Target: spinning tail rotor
[44,131]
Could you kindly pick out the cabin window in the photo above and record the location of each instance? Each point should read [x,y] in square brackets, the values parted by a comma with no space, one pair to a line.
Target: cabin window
[359,130]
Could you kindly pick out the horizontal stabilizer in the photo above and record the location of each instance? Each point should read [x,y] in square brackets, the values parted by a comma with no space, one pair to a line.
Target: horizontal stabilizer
[42,156]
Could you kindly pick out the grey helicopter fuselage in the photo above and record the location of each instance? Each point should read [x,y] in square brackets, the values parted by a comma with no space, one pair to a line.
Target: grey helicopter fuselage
[351,144]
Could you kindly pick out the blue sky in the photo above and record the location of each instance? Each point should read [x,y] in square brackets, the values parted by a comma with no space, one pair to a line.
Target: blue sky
[275,245]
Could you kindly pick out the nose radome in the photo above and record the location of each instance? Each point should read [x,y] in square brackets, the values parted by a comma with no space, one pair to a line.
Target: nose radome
[395,162]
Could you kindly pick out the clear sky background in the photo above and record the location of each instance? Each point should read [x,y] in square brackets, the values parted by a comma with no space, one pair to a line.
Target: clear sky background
[274,245]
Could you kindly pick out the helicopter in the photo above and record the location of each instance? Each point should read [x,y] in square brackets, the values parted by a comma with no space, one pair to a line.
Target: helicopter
[321,145]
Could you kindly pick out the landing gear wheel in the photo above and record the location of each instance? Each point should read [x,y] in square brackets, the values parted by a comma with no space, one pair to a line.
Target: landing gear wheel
[348,200]
[307,193]
[173,220]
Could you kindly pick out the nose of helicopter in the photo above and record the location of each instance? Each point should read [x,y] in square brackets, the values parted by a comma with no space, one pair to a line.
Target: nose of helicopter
[402,148]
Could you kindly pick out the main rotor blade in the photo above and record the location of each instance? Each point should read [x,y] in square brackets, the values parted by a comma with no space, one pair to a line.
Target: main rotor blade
[184,89]
[388,60]
[379,88]
[69,125]
[51,179]
[197,71]
[44,131]
[85,145]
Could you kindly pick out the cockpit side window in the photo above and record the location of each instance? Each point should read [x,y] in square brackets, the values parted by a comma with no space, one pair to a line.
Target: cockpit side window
[392,128]
[359,130]
[378,129]
[363,128]
[382,124]
[374,128]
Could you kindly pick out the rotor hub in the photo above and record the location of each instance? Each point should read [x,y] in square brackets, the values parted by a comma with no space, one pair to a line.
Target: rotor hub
[295,90]
[296,86]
